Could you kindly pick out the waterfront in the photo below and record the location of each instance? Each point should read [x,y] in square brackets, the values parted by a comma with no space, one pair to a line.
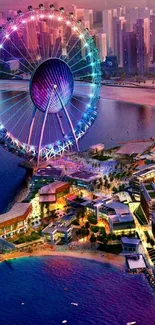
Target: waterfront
[42,289]
[115,122]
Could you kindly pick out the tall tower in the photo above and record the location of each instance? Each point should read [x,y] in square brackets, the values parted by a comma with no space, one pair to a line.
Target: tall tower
[119,25]
[101,43]
[152,36]
[130,52]
[107,27]
[143,44]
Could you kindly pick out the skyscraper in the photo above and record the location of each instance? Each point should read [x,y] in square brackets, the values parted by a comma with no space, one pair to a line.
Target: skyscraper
[101,43]
[107,27]
[143,41]
[152,37]
[130,52]
[119,25]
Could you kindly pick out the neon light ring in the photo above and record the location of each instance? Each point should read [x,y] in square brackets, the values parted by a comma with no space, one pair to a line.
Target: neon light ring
[54,71]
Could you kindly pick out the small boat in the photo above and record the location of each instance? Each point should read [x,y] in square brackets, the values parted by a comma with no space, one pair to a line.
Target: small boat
[22,303]
[74,303]
[131,323]
[64,321]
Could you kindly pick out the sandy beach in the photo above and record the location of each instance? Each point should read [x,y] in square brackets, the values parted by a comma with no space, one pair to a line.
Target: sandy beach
[115,260]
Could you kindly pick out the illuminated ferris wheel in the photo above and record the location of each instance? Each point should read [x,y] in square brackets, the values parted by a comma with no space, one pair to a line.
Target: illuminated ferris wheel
[50,82]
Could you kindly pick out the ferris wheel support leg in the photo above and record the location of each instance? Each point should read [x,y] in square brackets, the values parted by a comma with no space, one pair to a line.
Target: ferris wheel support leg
[60,123]
[69,120]
[31,126]
[72,128]
[42,131]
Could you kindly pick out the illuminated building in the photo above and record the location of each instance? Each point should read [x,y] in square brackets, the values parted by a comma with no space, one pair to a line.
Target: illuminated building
[148,199]
[121,223]
[119,26]
[130,245]
[50,193]
[15,221]
[107,27]
[143,44]
[152,38]
[101,43]
[59,231]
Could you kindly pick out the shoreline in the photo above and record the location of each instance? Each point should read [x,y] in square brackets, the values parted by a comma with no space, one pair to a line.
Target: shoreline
[114,260]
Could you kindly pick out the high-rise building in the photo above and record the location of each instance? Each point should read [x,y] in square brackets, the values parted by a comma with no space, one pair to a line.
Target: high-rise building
[132,17]
[32,39]
[86,15]
[107,27]
[130,52]
[119,26]
[143,13]
[143,44]
[152,37]
[101,43]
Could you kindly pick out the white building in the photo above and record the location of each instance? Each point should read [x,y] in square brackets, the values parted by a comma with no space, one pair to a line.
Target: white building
[101,43]
[107,27]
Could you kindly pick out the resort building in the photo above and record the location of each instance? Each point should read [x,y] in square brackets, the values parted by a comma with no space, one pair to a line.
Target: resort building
[84,179]
[130,245]
[148,199]
[16,220]
[122,223]
[145,173]
[50,193]
[60,231]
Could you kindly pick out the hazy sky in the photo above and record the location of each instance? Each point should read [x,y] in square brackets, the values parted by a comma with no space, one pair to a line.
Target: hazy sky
[97,4]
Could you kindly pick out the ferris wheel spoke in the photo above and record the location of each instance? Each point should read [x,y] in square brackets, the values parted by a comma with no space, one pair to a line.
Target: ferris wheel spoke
[82,68]
[73,48]
[24,57]
[78,111]
[28,52]
[14,74]
[15,125]
[17,111]
[85,76]
[24,124]
[67,43]
[80,101]
[11,90]
[74,56]
[16,59]
[6,100]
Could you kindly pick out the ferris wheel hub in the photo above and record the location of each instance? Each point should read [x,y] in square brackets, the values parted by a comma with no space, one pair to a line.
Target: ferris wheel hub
[52,74]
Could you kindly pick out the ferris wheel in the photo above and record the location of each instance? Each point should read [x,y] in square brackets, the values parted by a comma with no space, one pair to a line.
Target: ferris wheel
[49,83]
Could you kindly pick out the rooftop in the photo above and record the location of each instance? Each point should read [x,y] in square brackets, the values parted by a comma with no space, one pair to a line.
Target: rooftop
[18,210]
[118,218]
[133,241]
[136,263]
[137,148]
[49,171]
[119,207]
[52,188]
[84,176]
